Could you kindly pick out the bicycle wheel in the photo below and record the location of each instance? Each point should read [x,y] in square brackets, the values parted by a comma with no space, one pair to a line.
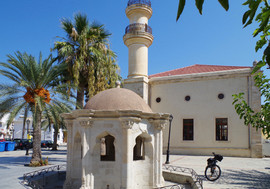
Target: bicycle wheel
[212,172]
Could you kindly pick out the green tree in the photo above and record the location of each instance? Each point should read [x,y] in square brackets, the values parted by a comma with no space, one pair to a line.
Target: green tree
[199,5]
[52,118]
[258,10]
[91,63]
[32,89]
[259,119]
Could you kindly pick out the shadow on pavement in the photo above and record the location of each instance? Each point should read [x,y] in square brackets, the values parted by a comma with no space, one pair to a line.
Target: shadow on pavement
[57,152]
[244,179]
[21,160]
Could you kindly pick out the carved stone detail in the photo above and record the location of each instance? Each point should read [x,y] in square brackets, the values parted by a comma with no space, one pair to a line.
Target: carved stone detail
[86,123]
[159,124]
[68,123]
[127,124]
[163,124]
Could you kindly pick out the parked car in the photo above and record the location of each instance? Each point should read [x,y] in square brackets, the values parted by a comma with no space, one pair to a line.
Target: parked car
[46,144]
[21,143]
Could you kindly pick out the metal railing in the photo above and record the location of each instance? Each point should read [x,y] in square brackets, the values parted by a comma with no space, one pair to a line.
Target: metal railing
[137,27]
[171,187]
[197,180]
[30,179]
[142,2]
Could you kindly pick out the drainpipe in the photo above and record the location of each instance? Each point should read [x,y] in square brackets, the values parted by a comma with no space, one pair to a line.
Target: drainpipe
[248,102]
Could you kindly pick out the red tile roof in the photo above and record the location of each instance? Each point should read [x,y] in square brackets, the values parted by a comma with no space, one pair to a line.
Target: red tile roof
[197,68]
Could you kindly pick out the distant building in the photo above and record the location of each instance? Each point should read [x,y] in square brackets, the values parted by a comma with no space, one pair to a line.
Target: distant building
[5,132]
[45,134]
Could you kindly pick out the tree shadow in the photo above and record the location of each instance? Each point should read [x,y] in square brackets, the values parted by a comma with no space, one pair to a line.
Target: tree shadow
[57,152]
[242,179]
[21,160]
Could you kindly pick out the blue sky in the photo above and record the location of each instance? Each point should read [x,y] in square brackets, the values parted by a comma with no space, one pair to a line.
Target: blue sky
[215,38]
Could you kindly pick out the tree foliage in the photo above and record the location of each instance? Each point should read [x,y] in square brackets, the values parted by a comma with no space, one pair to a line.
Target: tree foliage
[52,118]
[91,64]
[199,5]
[259,119]
[32,89]
[258,11]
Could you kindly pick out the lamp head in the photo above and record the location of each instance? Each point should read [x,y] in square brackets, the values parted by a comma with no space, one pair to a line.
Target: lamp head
[171,117]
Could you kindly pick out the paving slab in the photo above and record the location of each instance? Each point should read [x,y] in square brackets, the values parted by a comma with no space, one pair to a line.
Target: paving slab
[236,172]
[12,165]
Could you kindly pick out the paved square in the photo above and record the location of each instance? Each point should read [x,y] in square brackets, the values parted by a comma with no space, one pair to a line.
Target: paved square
[236,172]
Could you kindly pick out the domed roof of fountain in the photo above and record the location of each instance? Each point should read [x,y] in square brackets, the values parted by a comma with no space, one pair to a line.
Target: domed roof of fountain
[117,99]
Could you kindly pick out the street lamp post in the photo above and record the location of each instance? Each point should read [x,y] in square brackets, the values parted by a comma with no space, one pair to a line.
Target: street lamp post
[28,123]
[169,137]
[13,129]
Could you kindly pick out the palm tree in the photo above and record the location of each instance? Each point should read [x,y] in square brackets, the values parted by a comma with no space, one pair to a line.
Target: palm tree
[51,117]
[32,89]
[91,63]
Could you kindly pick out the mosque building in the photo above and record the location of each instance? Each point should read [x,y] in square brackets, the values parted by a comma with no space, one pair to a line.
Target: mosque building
[198,96]
[118,139]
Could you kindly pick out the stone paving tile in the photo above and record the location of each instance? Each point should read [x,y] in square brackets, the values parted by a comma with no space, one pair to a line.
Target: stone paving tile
[12,165]
[250,173]
[236,172]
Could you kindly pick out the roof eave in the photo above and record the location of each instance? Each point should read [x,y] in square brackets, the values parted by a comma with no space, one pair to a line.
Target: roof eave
[208,75]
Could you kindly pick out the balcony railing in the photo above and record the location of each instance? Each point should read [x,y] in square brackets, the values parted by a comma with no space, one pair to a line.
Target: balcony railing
[143,2]
[132,28]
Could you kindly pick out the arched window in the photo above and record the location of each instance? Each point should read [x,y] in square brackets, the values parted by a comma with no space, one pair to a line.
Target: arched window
[107,149]
[138,150]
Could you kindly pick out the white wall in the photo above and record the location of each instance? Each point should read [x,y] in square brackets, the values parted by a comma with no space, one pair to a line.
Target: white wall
[266,147]
[45,135]
[204,107]
[3,127]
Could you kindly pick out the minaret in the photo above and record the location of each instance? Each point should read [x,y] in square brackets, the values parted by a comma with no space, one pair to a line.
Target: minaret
[138,37]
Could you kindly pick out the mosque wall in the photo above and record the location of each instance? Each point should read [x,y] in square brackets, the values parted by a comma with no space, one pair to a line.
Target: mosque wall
[198,104]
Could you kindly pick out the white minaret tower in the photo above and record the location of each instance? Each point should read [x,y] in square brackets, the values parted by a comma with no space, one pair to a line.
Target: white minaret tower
[138,37]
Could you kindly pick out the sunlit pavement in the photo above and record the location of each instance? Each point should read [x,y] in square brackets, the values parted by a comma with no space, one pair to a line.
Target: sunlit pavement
[236,172]
[12,165]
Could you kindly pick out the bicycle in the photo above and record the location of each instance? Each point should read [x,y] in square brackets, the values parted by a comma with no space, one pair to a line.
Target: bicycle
[212,171]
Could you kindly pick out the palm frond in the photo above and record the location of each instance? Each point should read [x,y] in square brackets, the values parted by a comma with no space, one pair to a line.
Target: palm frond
[66,25]
[7,105]
[15,111]
[10,90]
[81,23]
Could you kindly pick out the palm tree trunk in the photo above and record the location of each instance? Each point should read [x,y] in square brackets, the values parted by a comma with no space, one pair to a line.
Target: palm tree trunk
[55,134]
[80,96]
[36,156]
[23,130]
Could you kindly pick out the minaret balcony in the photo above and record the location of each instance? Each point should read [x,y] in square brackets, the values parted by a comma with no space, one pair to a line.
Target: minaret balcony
[141,8]
[137,27]
[140,2]
[138,33]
